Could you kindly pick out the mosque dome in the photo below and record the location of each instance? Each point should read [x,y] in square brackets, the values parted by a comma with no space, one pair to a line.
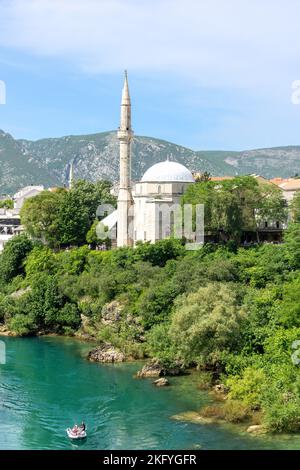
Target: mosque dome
[168,172]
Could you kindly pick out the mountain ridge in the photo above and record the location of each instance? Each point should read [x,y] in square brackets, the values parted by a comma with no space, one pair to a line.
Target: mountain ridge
[47,161]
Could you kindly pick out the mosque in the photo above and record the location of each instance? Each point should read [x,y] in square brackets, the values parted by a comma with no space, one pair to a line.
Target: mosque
[145,209]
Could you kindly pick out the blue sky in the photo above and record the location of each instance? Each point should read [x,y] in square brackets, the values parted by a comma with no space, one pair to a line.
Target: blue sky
[207,74]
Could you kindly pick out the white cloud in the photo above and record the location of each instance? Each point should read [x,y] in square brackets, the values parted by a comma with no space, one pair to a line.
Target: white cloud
[240,43]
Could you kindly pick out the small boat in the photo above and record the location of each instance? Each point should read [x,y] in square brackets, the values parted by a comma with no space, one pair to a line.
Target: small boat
[76,435]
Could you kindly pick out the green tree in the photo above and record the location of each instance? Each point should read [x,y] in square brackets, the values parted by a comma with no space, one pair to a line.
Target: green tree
[13,257]
[292,241]
[41,218]
[295,208]
[207,323]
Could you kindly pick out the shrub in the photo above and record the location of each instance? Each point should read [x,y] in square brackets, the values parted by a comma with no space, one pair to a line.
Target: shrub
[248,388]
[207,323]
[235,411]
[22,325]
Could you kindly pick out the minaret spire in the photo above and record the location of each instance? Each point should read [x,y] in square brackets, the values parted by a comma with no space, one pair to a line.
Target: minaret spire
[71,175]
[125,199]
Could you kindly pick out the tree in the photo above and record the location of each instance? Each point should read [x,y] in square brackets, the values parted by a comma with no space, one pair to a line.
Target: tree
[41,218]
[91,195]
[292,241]
[234,205]
[64,217]
[295,208]
[207,323]
[13,257]
[270,206]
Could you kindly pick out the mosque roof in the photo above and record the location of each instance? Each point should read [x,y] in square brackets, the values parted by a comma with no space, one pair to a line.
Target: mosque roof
[168,172]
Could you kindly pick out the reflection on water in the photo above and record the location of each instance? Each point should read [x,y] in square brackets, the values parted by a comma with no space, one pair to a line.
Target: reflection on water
[47,385]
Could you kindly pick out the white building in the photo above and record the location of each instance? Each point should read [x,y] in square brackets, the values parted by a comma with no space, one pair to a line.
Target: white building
[25,193]
[10,218]
[144,210]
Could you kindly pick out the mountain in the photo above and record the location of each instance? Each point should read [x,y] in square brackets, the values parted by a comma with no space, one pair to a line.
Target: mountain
[96,156]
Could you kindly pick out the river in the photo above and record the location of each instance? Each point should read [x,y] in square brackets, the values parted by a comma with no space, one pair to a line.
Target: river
[47,385]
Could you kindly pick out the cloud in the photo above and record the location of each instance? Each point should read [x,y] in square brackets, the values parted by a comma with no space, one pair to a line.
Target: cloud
[234,43]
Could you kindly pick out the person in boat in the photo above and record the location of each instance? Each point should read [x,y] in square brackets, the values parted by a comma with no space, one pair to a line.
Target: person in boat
[82,427]
[75,429]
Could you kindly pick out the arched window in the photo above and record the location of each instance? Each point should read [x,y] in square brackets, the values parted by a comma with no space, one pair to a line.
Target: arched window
[160,225]
[172,223]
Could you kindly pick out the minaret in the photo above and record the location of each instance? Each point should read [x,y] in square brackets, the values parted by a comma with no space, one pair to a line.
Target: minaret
[71,176]
[125,200]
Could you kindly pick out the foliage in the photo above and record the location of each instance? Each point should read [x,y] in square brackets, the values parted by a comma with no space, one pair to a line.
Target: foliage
[231,310]
[6,204]
[207,323]
[64,217]
[13,257]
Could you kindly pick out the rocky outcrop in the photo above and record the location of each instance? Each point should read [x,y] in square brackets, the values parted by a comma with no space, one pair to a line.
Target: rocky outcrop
[106,353]
[156,369]
[162,382]
[111,313]
[152,369]
[4,331]
[257,429]
[19,293]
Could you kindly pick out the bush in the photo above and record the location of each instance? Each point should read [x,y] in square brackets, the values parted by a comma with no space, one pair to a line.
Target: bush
[159,344]
[22,325]
[283,417]
[235,411]
[249,387]
[207,323]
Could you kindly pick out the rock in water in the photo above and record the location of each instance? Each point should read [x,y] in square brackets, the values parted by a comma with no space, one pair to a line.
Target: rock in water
[162,382]
[257,429]
[155,369]
[152,369]
[106,353]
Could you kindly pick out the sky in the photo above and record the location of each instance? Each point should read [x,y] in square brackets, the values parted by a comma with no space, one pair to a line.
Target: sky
[206,74]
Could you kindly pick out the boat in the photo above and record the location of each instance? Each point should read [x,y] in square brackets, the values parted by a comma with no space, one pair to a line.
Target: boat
[76,435]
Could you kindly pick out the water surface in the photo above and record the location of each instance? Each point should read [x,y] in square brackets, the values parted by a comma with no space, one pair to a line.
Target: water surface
[47,385]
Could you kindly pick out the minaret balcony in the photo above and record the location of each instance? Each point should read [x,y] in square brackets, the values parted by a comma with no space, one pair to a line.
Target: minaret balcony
[125,134]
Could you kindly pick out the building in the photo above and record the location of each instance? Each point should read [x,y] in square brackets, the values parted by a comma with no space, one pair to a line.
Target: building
[25,193]
[10,223]
[144,211]
[289,187]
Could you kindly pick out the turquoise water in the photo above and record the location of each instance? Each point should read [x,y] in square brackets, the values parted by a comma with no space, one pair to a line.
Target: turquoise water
[47,385]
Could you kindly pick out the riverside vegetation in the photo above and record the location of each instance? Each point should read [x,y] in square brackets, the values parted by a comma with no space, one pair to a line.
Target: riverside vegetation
[232,312]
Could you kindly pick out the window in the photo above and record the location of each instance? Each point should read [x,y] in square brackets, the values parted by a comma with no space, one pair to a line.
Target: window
[160,225]
[172,223]
[266,224]
[145,235]
[159,189]
[277,224]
